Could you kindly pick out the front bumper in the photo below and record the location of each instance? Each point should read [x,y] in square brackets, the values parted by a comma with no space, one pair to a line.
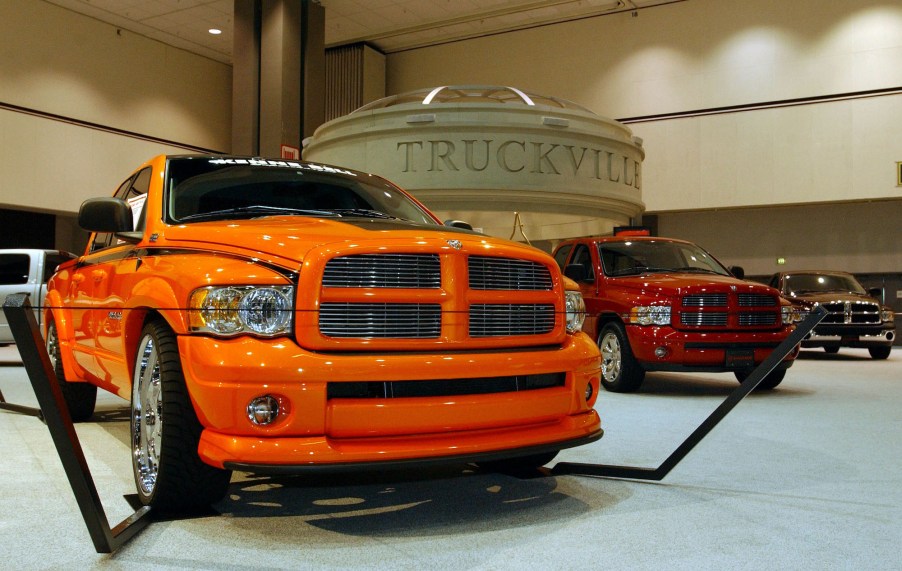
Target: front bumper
[224,375]
[704,352]
[856,337]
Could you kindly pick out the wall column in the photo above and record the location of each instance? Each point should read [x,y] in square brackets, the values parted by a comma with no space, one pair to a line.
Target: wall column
[278,74]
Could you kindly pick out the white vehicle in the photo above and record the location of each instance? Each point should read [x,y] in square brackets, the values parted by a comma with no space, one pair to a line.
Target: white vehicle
[26,271]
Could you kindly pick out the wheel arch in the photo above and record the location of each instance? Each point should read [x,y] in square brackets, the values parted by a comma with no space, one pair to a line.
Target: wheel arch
[54,312]
[604,319]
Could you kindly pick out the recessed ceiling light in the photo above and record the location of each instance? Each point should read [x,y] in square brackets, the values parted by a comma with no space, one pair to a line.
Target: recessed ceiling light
[215,31]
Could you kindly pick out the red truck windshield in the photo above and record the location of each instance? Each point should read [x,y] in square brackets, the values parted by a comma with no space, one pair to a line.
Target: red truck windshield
[652,256]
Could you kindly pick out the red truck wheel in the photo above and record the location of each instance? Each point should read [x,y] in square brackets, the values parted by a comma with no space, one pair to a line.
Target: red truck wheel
[620,371]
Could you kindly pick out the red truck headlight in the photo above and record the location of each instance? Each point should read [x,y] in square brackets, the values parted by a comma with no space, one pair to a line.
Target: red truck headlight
[233,310]
[650,315]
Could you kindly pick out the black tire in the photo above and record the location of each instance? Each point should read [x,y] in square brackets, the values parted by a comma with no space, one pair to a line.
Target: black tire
[769,382]
[881,352]
[831,350]
[80,397]
[518,465]
[620,371]
[169,475]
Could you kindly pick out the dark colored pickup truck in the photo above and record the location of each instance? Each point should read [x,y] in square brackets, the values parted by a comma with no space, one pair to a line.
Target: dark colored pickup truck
[658,304]
[855,318]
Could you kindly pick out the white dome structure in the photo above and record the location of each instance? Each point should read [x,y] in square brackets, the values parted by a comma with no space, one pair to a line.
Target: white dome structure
[507,161]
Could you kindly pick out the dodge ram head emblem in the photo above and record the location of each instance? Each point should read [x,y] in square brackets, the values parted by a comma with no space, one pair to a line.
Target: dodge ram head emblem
[454,244]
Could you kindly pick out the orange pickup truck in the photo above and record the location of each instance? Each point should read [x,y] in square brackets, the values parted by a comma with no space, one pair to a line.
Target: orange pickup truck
[279,316]
[658,304]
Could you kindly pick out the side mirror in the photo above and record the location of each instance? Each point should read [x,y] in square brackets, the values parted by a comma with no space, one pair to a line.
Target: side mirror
[738,272]
[576,272]
[876,292]
[458,224]
[106,215]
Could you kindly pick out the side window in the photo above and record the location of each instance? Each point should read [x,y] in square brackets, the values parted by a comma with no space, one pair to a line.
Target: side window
[583,257]
[102,240]
[561,255]
[14,269]
[137,196]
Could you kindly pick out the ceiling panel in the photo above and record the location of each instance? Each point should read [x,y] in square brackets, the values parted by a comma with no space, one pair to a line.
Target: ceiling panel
[388,25]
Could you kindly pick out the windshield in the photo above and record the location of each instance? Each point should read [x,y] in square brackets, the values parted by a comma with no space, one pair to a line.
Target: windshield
[212,188]
[796,284]
[648,256]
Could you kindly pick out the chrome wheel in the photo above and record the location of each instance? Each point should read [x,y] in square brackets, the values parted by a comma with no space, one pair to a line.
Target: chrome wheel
[147,417]
[611,357]
[53,345]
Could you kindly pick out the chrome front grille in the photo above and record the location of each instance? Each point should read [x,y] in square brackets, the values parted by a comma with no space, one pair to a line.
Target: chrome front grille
[709,318]
[757,299]
[758,318]
[380,320]
[705,300]
[411,271]
[410,301]
[721,310]
[488,273]
[493,320]
[852,312]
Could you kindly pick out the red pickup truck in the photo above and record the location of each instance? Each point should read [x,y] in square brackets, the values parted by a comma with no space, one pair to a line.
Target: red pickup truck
[659,304]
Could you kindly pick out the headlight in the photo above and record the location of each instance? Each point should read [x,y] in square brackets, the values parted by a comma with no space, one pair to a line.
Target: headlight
[887,315]
[789,315]
[576,311]
[650,315]
[233,310]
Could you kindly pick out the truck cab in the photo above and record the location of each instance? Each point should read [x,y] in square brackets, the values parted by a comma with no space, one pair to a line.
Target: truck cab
[660,304]
[26,271]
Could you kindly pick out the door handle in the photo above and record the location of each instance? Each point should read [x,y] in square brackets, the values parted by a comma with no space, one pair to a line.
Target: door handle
[78,278]
[98,275]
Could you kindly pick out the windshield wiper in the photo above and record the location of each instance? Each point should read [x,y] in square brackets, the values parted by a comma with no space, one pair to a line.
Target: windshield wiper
[363,212]
[636,270]
[255,209]
[693,269]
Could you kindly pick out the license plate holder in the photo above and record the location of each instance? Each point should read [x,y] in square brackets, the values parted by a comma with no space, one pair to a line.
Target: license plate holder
[740,358]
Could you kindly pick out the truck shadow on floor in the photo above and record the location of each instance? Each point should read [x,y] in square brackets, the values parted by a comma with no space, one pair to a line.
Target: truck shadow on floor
[719,385]
[455,499]
[820,355]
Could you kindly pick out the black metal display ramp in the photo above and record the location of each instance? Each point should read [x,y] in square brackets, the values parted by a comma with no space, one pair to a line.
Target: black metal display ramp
[34,355]
[744,388]
[55,413]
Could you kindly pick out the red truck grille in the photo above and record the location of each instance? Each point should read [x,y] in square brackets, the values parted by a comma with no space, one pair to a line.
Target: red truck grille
[725,311]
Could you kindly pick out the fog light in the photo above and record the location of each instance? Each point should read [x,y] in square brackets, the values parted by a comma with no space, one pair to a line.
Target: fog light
[661,352]
[263,410]
[589,392]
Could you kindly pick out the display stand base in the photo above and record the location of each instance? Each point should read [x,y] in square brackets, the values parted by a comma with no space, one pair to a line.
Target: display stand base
[744,388]
[34,355]
[29,410]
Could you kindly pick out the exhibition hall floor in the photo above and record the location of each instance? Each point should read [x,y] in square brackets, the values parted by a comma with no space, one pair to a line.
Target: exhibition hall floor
[808,476]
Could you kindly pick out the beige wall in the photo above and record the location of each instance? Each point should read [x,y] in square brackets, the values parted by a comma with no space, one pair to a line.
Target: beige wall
[858,237]
[702,54]
[58,62]
[687,55]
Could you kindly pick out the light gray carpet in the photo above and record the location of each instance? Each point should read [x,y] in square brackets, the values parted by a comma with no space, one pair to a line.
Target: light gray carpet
[808,476]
